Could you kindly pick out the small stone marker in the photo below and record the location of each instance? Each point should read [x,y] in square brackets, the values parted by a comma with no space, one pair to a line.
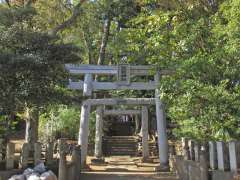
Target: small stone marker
[191,150]
[10,156]
[1,149]
[203,164]
[213,155]
[25,155]
[49,153]
[62,171]
[37,152]
[76,160]
[222,156]
[185,149]
[234,155]
[197,151]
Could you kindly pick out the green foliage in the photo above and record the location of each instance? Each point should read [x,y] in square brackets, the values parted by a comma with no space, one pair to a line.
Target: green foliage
[59,121]
[31,63]
[199,41]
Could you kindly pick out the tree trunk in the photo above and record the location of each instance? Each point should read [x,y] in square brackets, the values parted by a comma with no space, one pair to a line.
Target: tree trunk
[88,44]
[9,120]
[32,122]
[106,30]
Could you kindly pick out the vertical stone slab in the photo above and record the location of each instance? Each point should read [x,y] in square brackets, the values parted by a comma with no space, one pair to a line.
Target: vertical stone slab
[161,126]
[76,160]
[87,85]
[191,150]
[83,132]
[62,171]
[222,156]
[145,144]
[37,153]
[213,155]
[185,149]
[197,151]
[234,156]
[10,156]
[203,164]
[99,132]
[1,149]
[25,155]
[49,153]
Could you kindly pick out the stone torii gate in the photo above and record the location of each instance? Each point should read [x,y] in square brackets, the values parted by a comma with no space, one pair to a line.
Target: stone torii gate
[124,74]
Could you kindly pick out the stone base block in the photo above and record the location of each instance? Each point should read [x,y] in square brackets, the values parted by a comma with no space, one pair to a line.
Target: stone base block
[147,160]
[222,175]
[98,161]
[162,168]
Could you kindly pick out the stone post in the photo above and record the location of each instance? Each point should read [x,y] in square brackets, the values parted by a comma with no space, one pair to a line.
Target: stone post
[191,150]
[161,126]
[1,149]
[83,132]
[87,85]
[10,156]
[76,160]
[197,151]
[203,164]
[25,155]
[37,153]
[145,144]
[99,132]
[49,153]
[62,171]
[222,156]
[234,156]
[185,149]
[212,155]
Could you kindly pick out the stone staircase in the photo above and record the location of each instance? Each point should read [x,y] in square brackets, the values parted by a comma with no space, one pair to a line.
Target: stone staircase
[120,145]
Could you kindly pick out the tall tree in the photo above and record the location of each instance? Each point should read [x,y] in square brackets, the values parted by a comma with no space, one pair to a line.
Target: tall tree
[32,72]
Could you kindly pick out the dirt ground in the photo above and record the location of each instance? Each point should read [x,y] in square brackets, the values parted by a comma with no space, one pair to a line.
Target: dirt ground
[124,168]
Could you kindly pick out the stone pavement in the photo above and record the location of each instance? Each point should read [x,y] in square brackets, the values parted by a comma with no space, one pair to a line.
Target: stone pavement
[125,168]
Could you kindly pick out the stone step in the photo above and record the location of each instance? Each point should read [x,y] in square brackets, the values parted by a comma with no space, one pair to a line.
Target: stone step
[121,143]
[127,176]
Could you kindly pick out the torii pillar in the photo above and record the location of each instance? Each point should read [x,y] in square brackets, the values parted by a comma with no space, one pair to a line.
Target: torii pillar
[145,145]
[84,121]
[99,132]
[161,127]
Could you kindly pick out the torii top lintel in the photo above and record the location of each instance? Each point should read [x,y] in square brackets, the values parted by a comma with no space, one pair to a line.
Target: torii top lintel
[124,72]
[102,69]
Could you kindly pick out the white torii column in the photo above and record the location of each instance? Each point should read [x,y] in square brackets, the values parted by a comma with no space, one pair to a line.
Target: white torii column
[161,127]
[99,132]
[83,132]
[145,152]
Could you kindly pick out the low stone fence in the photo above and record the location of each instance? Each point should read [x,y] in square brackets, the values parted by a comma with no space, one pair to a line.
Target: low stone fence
[30,155]
[64,159]
[212,161]
[11,162]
